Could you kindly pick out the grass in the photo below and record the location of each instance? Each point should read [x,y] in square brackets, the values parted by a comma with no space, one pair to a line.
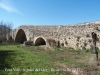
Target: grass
[18,60]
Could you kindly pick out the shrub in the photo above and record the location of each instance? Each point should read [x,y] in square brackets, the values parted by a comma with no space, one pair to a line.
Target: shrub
[97,48]
[87,50]
[29,43]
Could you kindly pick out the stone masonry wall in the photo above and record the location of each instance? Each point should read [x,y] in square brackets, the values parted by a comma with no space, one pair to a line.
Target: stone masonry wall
[76,36]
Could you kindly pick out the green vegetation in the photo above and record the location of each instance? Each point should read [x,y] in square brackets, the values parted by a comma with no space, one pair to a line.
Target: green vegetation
[16,59]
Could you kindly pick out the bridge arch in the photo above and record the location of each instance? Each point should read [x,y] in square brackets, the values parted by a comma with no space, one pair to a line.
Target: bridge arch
[20,36]
[40,41]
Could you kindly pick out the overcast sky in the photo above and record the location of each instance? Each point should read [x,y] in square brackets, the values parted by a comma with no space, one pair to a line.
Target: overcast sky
[49,12]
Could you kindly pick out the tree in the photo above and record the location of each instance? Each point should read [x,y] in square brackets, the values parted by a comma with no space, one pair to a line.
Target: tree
[5,29]
[9,26]
[94,38]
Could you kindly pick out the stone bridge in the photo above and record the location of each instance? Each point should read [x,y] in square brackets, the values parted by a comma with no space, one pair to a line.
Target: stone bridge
[76,36]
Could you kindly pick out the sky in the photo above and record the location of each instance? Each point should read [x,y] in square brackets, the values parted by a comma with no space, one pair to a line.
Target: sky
[49,12]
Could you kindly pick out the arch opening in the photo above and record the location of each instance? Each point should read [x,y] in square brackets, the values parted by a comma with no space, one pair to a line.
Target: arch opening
[20,37]
[40,41]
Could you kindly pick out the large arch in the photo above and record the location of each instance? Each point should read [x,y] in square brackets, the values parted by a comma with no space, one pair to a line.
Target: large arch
[40,41]
[21,36]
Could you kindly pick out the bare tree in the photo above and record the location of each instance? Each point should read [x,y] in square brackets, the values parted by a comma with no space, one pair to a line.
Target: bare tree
[9,26]
[5,29]
[94,38]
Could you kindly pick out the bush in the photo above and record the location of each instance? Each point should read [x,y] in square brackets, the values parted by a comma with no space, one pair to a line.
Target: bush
[87,50]
[29,43]
[92,49]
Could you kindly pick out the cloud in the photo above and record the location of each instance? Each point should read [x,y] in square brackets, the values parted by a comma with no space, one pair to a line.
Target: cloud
[8,6]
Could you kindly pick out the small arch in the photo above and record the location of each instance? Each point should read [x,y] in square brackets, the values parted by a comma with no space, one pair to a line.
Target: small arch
[20,37]
[40,41]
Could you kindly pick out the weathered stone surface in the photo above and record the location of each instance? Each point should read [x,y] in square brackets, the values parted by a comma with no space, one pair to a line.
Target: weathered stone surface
[61,33]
